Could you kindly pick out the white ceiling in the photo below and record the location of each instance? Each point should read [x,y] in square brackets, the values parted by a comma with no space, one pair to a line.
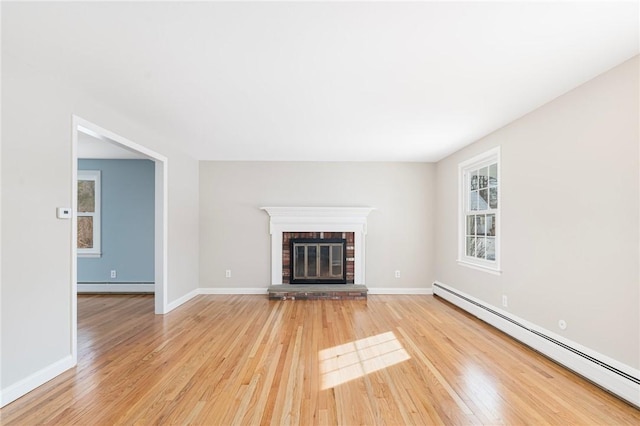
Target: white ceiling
[381,81]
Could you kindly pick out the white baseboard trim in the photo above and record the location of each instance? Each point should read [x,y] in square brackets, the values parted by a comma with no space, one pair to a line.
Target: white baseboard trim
[181,300]
[614,376]
[391,290]
[38,378]
[115,288]
[263,290]
[230,290]
[218,290]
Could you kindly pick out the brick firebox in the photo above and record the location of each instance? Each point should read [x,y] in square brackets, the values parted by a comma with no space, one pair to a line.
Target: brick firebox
[286,251]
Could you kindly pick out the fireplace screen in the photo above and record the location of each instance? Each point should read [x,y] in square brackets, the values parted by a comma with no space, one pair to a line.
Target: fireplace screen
[318,261]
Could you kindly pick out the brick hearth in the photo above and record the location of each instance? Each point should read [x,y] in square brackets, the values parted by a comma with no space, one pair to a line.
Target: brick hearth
[318,291]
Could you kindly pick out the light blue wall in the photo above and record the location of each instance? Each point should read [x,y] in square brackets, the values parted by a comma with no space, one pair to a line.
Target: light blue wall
[127,222]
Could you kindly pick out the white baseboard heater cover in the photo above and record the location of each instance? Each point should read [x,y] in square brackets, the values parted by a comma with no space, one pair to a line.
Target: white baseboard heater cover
[620,380]
[119,287]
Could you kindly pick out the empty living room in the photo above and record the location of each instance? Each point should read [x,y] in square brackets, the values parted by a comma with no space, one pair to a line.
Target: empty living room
[320,212]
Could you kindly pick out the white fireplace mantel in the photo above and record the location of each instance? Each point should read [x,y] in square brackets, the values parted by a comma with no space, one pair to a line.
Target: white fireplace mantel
[318,219]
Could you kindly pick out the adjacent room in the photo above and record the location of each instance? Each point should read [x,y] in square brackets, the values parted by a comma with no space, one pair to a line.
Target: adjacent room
[230,212]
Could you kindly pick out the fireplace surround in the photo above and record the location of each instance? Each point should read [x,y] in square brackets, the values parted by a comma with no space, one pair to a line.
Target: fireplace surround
[318,220]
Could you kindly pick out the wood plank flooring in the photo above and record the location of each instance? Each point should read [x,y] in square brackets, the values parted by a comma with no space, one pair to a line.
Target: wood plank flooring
[227,360]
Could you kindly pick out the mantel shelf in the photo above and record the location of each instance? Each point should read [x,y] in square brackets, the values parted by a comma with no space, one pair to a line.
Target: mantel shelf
[334,212]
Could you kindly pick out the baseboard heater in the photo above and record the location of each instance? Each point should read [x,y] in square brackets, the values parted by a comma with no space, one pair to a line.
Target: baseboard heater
[116,287]
[630,392]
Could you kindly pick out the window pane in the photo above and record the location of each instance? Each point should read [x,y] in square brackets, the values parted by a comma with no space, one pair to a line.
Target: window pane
[299,262]
[324,261]
[493,198]
[480,248]
[483,177]
[491,248]
[471,246]
[85,232]
[312,261]
[480,225]
[491,225]
[474,180]
[473,200]
[86,196]
[493,175]
[483,201]
[471,225]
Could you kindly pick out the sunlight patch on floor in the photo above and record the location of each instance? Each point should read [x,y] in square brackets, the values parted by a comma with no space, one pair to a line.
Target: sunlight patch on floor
[352,360]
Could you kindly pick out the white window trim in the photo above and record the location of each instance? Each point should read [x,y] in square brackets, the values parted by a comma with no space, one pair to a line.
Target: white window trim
[481,160]
[95,176]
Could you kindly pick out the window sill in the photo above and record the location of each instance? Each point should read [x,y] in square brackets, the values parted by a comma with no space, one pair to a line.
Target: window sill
[482,268]
[90,255]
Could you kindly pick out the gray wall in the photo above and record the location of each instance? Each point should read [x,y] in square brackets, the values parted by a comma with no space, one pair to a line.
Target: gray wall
[569,216]
[235,232]
[36,308]
[127,217]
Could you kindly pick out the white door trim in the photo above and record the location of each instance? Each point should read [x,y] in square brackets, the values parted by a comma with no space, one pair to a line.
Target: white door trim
[161,223]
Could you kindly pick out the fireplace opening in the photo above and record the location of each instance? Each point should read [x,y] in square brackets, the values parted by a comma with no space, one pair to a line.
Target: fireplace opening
[318,261]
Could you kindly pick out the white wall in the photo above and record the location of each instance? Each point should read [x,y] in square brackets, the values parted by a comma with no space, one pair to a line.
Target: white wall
[235,232]
[570,216]
[37,110]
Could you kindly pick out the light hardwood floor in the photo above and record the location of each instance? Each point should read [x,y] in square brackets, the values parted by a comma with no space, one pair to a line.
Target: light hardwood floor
[222,360]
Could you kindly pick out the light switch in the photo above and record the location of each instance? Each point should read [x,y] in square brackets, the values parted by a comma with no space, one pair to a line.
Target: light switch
[64,213]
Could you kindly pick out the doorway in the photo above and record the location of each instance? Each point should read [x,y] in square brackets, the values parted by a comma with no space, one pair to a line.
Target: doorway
[80,128]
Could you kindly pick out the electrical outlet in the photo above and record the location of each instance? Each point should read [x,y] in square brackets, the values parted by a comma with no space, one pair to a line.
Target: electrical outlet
[227,273]
[397,274]
[505,302]
[114,274]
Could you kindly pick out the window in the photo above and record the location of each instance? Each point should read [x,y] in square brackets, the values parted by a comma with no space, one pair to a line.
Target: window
[479,226]
[88,214]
